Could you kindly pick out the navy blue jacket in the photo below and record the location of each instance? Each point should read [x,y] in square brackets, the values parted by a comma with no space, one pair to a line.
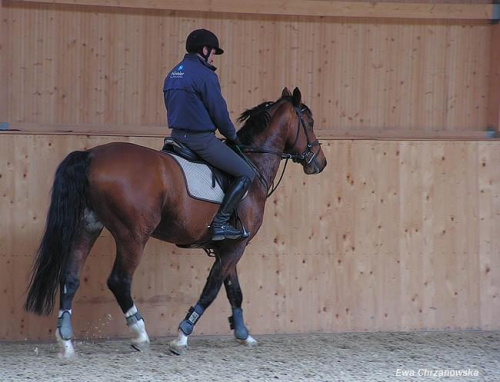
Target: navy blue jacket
[194,100]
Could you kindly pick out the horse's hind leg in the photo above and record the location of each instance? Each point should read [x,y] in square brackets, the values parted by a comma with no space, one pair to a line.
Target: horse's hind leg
[70,280]
[235,297]
[128,255]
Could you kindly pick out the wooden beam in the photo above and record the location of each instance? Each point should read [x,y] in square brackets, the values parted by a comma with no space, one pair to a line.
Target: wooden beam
[400,135]
[304,8]
[97,130]
[322,133]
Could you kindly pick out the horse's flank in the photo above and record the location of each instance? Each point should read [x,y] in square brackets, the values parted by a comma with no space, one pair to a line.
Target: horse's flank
[146,186]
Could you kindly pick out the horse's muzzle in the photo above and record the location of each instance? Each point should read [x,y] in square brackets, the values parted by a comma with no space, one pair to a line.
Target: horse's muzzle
[316,166]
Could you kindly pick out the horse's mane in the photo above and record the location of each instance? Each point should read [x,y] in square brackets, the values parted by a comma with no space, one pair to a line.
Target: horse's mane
[257,119]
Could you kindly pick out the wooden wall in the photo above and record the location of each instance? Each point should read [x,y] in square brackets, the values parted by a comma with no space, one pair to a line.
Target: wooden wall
[393,235]
[100,69]
[399,235]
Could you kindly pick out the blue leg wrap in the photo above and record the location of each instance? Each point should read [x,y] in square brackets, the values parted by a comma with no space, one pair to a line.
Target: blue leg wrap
[236,323]
[194,314]
[64,326]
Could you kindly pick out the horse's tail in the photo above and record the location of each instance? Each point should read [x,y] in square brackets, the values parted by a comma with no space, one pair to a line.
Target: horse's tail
[64,220]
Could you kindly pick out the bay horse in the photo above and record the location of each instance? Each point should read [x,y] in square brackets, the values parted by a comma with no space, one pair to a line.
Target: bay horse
[138,193]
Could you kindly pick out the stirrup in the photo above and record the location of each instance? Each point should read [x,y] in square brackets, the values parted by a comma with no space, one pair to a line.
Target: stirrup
[224,235]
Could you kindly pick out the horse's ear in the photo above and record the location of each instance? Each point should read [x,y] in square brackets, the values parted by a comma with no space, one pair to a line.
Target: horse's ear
[286,93]
[297,97]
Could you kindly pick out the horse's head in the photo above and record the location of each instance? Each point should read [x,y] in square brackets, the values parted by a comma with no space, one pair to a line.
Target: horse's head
[301,141]
[283,128]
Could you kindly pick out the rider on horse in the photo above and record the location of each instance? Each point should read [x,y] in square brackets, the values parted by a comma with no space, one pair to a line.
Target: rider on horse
[196,109]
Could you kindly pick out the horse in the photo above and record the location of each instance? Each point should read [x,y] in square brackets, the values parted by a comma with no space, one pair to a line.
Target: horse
[138,193]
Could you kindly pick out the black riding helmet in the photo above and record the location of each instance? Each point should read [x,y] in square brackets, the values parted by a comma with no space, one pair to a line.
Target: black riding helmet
[199,38]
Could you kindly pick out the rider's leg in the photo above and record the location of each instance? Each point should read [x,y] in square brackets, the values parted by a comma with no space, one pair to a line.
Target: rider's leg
[220,227]
[218,154]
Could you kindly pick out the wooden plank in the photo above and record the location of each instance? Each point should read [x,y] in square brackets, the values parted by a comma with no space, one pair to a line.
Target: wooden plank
[7,229]
[4,65]
[305,8]
[494,81]
[489,218]
[412,244]
[469,292]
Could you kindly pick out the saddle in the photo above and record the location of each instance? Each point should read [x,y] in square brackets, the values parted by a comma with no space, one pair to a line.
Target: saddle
[172,145]
[203,181]
[197,172]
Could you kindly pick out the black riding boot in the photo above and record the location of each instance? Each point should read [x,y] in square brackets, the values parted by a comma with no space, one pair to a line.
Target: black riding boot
[221,229]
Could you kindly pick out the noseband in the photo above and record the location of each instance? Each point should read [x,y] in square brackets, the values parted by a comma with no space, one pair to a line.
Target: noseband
[305,158]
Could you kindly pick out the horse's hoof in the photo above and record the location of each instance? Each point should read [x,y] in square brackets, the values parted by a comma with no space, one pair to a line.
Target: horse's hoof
[176,349]
[67,352]
[66,356]
[140,346]
[249,341]
[66,346]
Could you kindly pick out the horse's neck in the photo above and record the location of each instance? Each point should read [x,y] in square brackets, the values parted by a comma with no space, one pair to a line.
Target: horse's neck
[272,139]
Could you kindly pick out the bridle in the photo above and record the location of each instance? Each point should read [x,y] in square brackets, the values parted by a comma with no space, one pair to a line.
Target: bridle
[305,158]
[308,155]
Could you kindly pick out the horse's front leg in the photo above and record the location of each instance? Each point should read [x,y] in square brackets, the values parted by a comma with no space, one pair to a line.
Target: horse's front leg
[235,297]
[226,259]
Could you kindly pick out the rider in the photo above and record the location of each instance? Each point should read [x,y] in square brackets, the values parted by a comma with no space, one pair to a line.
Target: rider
[195,109]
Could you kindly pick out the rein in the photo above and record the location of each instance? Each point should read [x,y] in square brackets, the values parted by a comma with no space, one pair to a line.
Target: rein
[306,157]
[249,149]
